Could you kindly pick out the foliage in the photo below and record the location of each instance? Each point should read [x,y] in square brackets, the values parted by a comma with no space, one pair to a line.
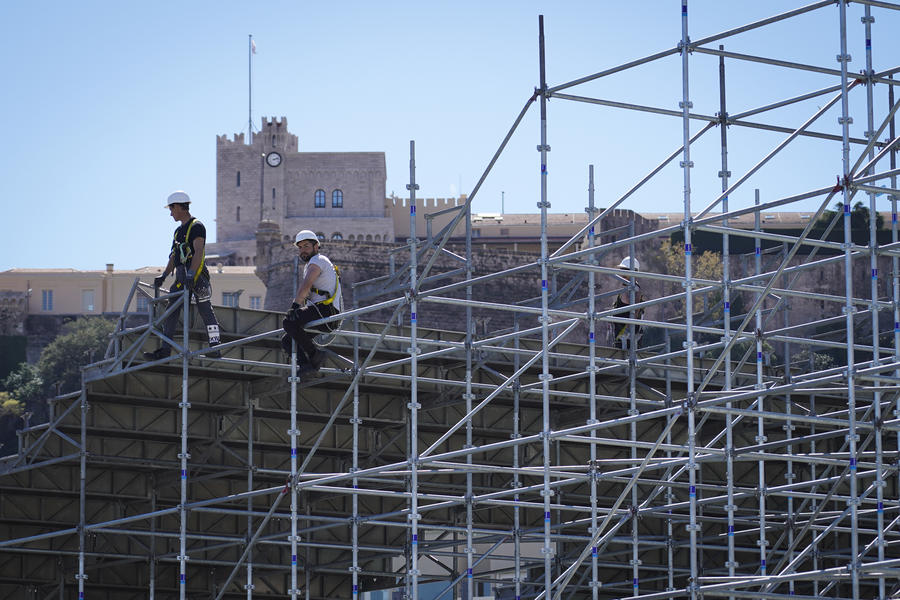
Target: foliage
[10,406]
[859,223]
[24,383]
[82,342]
[707,265]
[820,362]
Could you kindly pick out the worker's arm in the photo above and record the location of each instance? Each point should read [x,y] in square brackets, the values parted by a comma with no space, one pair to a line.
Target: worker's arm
[170,266]
[160,279]
[312,273]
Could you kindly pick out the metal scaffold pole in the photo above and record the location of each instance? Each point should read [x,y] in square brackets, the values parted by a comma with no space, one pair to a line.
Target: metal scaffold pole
[867,20]
[413,404]
[592,384]
[690,401]
[251,424]
[546,491]
[294,432]
[184,456]
[760,438]
[724,174]
[849,309]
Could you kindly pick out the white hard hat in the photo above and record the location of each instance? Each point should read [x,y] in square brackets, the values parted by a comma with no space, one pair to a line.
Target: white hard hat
[178,197]
[629,263]
[306,234]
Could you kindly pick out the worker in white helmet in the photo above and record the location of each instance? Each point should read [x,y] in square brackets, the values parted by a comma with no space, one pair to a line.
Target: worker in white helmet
[187,261]
[622,331]
[318,296]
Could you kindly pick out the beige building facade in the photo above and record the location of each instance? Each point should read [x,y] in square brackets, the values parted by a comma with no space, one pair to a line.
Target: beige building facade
[74,292]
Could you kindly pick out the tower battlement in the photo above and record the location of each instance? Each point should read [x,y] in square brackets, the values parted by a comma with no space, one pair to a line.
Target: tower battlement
[225,139]
[271,127]
[435,203]
[274,123]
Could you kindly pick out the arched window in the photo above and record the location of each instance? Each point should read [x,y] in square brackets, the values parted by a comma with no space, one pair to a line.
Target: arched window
[336,236]
[320,199]
[378,238]
[337,199]
[369,237]
[321,236]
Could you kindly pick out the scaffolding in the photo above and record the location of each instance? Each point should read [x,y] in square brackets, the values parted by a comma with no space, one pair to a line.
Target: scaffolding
[738,452]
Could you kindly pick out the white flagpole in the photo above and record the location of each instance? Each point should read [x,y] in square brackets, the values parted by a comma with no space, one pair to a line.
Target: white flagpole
[250,48]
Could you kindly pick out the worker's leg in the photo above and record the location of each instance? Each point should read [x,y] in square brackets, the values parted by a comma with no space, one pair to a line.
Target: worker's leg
[295,329]
[203,295]
[169,326]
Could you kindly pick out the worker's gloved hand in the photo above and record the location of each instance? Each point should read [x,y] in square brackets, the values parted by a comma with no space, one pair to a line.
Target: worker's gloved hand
[190,278]
[158,281]
[293,312]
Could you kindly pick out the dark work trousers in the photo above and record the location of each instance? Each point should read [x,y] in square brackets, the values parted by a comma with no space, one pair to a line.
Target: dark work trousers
[201,294]
[293,329]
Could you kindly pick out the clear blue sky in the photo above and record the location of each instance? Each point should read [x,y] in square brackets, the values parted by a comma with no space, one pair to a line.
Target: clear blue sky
[109,106]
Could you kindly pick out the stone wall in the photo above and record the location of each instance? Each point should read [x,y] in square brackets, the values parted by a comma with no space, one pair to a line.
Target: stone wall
[360,261]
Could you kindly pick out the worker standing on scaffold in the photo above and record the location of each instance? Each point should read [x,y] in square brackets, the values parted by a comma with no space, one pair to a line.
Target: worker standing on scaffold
[318,296]
[621,330]
[187,260]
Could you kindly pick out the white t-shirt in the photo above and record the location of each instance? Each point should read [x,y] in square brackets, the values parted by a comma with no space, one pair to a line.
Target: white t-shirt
[325,282]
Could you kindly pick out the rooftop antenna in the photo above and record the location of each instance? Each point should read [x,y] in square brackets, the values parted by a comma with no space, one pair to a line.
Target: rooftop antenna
[502,202]
[251,50]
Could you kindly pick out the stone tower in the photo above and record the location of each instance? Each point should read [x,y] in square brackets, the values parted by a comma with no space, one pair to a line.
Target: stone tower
[339,195]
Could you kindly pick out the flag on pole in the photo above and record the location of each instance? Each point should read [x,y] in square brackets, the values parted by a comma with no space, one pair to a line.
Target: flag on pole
[253,46]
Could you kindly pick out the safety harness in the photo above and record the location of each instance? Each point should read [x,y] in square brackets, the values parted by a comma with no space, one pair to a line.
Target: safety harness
[337,286]
[186,252]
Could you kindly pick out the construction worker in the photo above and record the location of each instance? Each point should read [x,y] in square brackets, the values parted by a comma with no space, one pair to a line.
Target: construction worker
[186,260]
[622,331]
[318,296]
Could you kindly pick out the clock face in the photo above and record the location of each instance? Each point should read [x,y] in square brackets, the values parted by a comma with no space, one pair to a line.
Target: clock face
[273,159]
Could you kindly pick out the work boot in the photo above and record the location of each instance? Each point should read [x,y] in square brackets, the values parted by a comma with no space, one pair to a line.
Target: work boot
[213,353]
[311,366]
[158,354]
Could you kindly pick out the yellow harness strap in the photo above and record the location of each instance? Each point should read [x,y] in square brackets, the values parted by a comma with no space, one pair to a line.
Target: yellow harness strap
[337,284]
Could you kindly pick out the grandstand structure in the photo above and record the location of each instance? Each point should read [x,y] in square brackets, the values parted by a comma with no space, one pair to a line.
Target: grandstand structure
[731,452]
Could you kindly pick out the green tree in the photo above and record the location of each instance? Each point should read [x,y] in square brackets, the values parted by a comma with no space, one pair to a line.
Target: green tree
[82,342]
[859,223]
[10,406]
[24,384]
[706,265]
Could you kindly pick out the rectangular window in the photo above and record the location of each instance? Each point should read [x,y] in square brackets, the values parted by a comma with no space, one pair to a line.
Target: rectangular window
[47,300]
[143,304]
[87,300]
[238,179]
[230,299]
[256,302]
